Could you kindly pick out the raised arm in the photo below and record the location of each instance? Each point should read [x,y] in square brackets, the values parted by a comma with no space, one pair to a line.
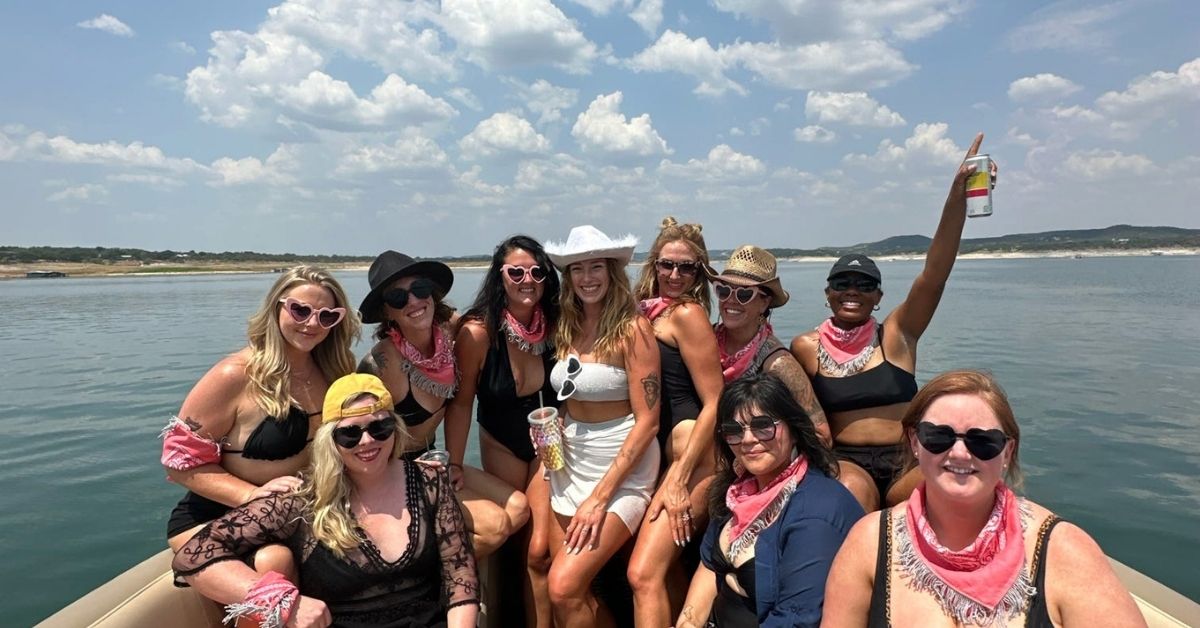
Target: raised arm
[913,315]
[470,350]
[460,580]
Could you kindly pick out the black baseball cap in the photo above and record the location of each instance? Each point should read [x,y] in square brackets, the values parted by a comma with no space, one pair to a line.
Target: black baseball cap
[855,263]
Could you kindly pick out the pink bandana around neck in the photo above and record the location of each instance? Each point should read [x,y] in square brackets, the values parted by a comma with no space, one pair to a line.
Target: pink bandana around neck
[754,510]
[531,339]
[652,308]
[438,368]
[985,570]
[844,345]
[733,366]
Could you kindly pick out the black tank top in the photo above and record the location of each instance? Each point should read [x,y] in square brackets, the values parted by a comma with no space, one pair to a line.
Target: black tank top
[680,399]
[881,385]
[1036,616]
[277,440]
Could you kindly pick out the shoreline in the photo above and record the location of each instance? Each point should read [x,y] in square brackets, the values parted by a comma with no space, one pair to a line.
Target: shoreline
[84,270]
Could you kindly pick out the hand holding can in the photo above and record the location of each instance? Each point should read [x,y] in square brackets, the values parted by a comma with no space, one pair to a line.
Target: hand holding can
[546,435]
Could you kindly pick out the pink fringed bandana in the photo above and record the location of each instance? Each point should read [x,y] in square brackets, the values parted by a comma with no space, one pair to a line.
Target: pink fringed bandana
[437,374]
[531,339]
[754,510]
[652,308]
[185,448]
[733,366]
[844,352]
[269,602]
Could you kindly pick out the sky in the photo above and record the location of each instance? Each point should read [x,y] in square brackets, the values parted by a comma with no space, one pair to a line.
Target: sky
[440,128]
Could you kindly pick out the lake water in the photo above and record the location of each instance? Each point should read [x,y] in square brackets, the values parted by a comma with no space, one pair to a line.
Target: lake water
[1099,356]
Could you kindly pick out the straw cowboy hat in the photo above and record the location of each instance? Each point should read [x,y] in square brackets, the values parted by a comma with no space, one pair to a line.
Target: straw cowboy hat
[752,266]
[389,267]
[588,242]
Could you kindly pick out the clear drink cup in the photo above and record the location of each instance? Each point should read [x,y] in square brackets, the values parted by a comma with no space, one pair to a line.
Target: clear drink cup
[547,437]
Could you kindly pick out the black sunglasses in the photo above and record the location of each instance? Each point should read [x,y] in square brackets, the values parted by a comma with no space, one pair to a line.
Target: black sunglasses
[743,295]
[667,266]
[763,428]
[419,289]
[347,437]
[983,444]
[865,285]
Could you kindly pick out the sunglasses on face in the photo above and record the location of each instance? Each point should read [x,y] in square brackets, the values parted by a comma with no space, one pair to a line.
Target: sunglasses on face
[686,269]
[983,444]
[419,289]
[517,274]
[743,295]
[865,285]
[574,368]
[348,436]
[302,312]
[763,428]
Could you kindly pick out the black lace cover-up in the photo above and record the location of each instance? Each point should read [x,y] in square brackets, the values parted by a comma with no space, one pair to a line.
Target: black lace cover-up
[361,589]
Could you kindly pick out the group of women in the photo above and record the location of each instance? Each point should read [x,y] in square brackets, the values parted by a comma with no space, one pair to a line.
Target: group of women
[319,496]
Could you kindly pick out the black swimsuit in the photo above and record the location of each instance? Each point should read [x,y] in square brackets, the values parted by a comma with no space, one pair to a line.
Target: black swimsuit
[501,412]
[270,440]
[680,399]
[411,412]
[730,609]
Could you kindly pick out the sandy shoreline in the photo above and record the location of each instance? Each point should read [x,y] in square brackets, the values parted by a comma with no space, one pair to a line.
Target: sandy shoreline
[17,271]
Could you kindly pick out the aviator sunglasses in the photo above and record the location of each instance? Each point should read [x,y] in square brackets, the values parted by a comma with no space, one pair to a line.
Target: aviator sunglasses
[743,295]
[302,312]
[865,285]
[983,444]
[517,274]
[763,428]
[667,266]
[419,289]
[347,437]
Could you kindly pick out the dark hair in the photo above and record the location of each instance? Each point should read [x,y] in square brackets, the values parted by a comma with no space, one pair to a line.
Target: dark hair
[442,313]
[770,395]
[491,299]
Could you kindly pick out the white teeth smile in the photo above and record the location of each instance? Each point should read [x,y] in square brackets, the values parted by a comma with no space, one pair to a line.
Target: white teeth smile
[369,455]
[958,470]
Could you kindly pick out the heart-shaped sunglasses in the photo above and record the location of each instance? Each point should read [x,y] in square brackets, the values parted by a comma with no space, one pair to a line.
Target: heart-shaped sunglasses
[301,312]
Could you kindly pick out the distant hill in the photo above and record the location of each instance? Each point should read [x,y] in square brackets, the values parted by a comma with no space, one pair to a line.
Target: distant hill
[1114,237]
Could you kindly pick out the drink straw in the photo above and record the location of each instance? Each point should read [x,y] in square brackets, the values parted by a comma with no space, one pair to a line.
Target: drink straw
[541,402]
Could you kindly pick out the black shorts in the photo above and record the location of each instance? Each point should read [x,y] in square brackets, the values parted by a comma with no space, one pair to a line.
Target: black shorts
[191,511]
[881,462]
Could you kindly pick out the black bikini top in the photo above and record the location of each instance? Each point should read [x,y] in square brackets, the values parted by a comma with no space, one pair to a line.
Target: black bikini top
[413,413]
[275,439]
[878,386]
[743,573]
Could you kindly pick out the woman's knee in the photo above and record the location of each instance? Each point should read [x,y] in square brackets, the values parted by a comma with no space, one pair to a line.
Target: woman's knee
[647,569]
[517,510]
[275,557]
[565,588]
[860,484]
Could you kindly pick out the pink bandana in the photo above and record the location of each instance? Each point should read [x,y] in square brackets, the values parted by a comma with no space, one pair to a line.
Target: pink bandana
[652,308]
[985,570]
[844,345]
[733,366]
[754,510]
[269,602]
[185,449]
[436,374]
[530,339]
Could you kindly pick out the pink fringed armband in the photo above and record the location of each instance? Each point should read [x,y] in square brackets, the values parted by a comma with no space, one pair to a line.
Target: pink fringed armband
[269,602]
[184,448]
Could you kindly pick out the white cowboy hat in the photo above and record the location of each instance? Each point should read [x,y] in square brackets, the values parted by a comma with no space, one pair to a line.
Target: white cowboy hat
[588,242]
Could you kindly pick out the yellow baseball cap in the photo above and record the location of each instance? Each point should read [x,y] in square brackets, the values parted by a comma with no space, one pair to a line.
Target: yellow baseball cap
[350,386]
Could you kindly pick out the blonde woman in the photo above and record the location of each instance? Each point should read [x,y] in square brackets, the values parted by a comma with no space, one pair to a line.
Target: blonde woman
[673,293]
[244,428]
[607,372]
[366,531]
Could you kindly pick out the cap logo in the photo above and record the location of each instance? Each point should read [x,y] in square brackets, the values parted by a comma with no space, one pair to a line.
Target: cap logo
[854,263]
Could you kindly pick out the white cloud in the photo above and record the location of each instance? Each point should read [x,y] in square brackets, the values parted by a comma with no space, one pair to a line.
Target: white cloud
[853,108]
[109,24]
[1102,165]
[1071,25]
[722,163]
[511,33]
[85,192]
[824,20]
[1041,87]
[601,7]
[927,146]
[503,133]
[412,153]
[814,134]
[544,98]
[648,15]
[183,47]
[148,180]
[825,65]
[464,97]
[676,52]
[63,149]
[547,175]
[321,99]
[603,128]
[277,170]
[1158,94]
[8,147]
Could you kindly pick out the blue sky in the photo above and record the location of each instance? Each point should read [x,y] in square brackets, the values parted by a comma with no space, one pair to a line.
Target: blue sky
[439,128]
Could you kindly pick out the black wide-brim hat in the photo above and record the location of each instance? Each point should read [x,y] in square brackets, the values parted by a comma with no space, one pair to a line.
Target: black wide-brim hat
[390,266]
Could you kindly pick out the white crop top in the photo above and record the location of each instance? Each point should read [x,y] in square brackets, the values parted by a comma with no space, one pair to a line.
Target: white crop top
[592,381]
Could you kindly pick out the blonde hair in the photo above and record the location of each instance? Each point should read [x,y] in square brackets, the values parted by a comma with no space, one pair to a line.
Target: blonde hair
[616,317]
[689,233]
[268,368]
[327,489]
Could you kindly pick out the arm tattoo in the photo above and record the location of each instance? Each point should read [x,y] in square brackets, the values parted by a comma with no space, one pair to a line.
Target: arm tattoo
[192,424]
[372,363]
[797,381]
[652,389]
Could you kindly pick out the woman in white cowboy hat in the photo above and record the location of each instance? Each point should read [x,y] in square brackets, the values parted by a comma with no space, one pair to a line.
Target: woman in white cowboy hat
[607,371]
[747,290]
[414,356]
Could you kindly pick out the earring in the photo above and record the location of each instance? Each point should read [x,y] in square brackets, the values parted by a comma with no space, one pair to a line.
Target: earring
[876,308]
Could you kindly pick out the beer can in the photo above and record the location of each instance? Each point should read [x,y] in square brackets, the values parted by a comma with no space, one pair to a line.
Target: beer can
[979,187]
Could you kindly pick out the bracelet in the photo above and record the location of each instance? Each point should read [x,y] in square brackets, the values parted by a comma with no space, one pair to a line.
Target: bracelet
[269,602]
